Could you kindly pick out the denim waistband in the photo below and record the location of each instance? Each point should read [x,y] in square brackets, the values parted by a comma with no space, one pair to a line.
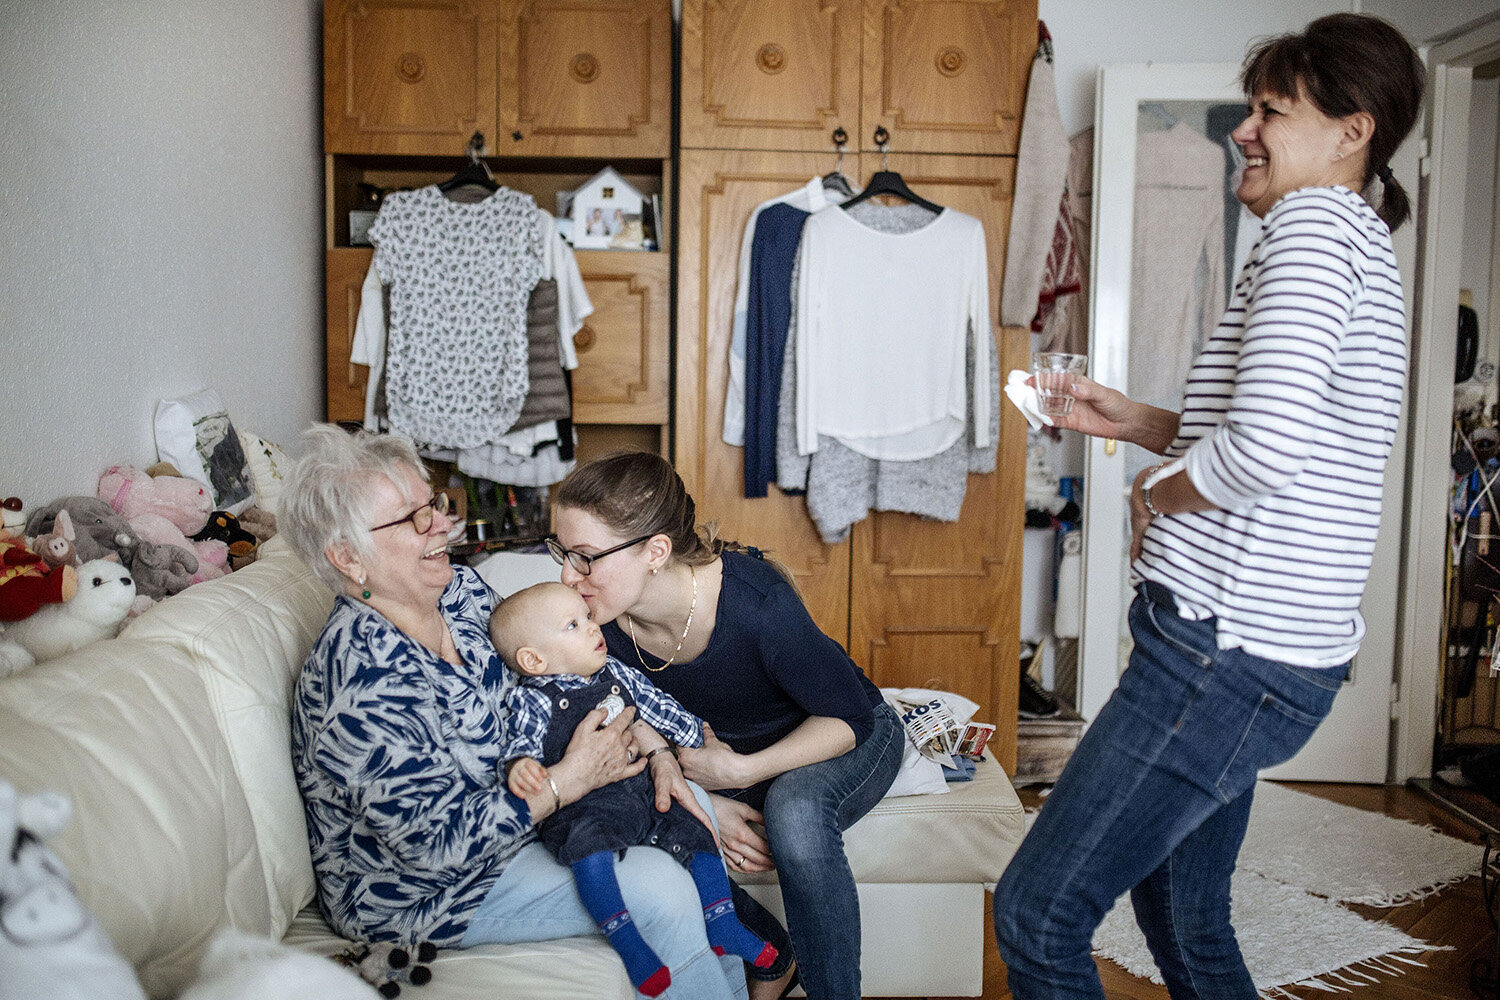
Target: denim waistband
[1156,593]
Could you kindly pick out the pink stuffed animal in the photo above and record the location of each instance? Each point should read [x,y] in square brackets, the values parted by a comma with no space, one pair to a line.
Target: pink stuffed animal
[166,509]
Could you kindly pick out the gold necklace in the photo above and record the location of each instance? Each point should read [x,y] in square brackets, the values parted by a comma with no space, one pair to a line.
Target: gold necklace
[630,623]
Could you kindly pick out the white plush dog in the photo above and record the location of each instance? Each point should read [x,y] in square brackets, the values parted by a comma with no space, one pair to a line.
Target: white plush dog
[239,966]
[50,944]
[105,593]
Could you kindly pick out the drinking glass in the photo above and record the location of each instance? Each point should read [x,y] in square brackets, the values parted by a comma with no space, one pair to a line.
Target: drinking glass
[1055,374]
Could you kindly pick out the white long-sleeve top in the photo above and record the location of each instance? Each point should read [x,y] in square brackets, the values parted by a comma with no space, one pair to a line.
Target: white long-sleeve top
[883,324]
[1289,417]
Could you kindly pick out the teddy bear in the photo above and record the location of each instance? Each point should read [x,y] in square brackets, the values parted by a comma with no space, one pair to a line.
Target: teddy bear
[50,944]
[104,599]
[158,570]
[241,966]
[27,582]
[166,510]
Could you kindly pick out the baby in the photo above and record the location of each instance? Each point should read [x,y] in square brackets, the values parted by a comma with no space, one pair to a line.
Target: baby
[546,636]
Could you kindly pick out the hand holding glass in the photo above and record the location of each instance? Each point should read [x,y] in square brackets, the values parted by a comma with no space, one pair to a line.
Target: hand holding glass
[1055,374]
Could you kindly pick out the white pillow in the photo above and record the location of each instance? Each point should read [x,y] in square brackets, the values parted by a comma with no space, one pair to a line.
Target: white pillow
[195,434]
[268,468]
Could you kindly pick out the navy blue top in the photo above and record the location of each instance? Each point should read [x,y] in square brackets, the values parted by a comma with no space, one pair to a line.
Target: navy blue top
[773,251]
[767,666]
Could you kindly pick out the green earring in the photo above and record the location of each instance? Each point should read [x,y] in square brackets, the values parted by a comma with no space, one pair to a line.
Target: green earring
[365,594]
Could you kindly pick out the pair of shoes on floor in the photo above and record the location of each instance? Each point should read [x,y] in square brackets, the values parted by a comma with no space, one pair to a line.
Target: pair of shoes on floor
[1036,701]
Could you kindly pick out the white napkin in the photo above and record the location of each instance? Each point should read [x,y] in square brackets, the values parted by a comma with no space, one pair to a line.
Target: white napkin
[1024,397]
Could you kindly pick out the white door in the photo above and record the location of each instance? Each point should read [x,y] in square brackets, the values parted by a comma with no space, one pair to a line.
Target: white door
[1165,252]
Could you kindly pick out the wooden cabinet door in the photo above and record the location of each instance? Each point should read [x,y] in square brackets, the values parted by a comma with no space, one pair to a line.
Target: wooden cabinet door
[585,78]
[769,74]
[945,76]
[346,269]
[718,191]
[407,76]
[622,348]
[939,605]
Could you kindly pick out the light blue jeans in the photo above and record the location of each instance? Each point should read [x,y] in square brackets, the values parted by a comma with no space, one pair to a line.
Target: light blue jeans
[535,899]
[1155,801]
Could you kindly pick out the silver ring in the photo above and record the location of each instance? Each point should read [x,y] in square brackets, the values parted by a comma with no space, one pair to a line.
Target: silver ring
[740,861]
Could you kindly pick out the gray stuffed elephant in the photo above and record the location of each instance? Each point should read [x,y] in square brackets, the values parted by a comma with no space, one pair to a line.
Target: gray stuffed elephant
[158,570]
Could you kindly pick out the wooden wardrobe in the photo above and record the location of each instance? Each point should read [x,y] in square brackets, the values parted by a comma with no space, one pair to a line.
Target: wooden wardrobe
[559,89]
[764,85]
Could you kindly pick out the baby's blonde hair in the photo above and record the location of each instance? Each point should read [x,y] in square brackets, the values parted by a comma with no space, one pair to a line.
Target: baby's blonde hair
[508,623]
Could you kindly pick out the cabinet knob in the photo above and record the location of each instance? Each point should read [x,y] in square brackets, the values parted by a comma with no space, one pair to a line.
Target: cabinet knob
[585,337]
[411,67]
[585,67]
[771,58]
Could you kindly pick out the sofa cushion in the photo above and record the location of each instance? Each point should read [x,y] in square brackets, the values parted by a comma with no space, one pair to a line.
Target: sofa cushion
[161,844]
[246,636]
[566,969]
[967,835]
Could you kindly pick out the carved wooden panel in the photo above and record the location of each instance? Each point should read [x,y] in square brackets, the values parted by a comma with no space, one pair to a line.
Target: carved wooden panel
[407,76]
[346,268]
[622,347]
[947,76]
[585,78]
[951,592]
[718,192]
[769,74]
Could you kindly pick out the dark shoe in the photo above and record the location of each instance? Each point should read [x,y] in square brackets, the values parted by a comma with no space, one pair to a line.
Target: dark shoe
[1036,701]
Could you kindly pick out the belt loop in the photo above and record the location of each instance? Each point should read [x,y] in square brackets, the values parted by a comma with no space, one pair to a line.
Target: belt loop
[1158,594]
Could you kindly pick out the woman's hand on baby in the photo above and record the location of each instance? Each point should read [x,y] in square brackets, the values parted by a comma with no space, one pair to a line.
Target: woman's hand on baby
[715,765]
[745,850]
[527,777]
[596,755]
[671,785]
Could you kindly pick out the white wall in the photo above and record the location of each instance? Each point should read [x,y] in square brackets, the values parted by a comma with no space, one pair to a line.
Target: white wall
[1425,20]
[161,225]
[1086,37]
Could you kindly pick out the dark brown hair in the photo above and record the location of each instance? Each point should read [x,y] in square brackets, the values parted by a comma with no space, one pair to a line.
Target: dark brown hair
[638,493]
[1349,63]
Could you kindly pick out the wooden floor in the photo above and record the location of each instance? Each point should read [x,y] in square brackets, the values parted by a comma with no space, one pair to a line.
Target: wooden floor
[1455,916]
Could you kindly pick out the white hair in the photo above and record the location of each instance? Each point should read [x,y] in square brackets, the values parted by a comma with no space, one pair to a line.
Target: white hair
[326,499]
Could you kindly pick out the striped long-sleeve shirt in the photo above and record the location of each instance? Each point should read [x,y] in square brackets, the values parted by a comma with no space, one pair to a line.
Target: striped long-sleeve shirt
[1288,418]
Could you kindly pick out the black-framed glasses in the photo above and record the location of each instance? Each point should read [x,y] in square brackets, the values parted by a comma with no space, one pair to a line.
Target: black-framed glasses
[582,561]
[421,518]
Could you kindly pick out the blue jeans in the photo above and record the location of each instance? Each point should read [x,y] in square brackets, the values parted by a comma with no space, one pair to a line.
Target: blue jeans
[1155,800]
[535,900]
[807,809]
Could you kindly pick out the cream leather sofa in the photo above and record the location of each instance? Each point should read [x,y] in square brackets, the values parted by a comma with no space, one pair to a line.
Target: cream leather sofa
[172,741]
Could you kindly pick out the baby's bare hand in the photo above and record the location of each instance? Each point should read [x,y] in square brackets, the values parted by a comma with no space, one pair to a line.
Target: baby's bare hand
[527,777]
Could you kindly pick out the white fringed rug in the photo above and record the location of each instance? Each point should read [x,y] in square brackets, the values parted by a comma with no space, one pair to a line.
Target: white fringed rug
[1299,849]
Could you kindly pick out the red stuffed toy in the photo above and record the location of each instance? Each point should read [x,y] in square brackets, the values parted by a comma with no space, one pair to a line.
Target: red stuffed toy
[27,582]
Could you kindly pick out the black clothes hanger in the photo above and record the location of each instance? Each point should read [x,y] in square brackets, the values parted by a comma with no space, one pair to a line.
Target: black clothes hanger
[475,173]
[889,182]
[835,180]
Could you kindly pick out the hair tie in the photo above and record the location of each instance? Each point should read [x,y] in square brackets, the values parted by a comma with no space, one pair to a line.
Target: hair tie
[1385,175]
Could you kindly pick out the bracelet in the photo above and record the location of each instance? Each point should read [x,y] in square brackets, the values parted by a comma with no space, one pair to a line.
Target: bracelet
[1146,492]
[556,797]
[666,749]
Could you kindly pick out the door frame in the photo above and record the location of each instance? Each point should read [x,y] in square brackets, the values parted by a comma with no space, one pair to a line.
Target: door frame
[1440,223]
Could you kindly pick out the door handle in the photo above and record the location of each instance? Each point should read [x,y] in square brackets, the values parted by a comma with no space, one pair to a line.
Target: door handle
[1110,444]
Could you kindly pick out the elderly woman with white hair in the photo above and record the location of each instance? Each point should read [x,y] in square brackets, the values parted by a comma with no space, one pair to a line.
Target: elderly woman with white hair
[398,730]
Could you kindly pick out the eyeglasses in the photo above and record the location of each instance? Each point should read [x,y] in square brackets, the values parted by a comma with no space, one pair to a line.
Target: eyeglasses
[421,518]
[582,561]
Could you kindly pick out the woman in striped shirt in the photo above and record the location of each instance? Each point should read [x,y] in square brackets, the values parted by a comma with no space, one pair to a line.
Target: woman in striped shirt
[1251,541]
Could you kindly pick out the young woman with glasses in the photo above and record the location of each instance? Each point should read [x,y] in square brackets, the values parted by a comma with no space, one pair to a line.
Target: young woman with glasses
[797,737]
[398,729]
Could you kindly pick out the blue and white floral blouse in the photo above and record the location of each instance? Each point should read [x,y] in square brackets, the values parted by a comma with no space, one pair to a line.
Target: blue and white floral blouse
[397,753]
